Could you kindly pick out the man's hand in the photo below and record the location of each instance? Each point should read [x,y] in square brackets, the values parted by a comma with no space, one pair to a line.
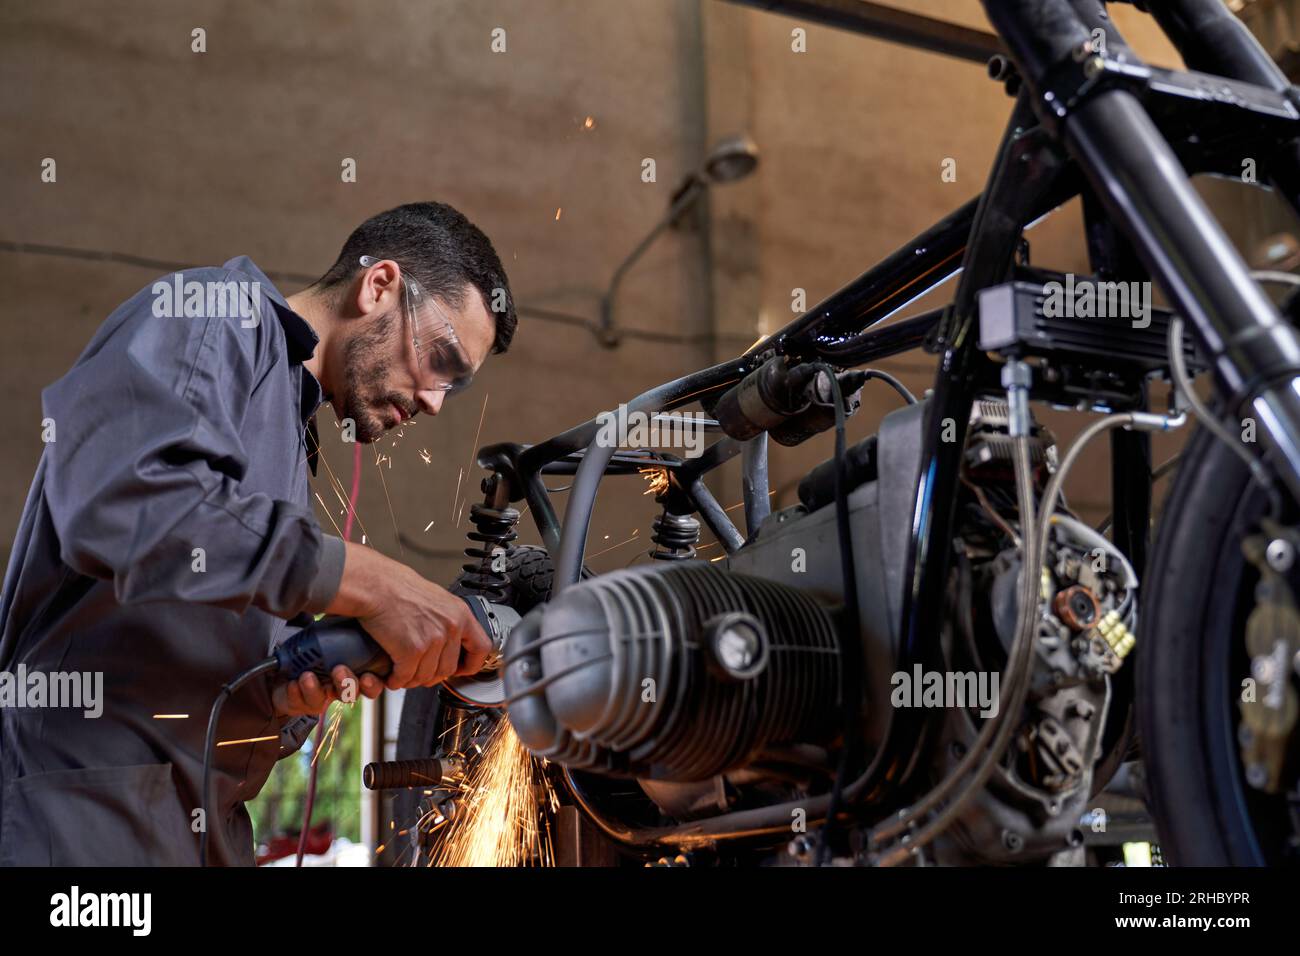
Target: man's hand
[428,632]
[307,695]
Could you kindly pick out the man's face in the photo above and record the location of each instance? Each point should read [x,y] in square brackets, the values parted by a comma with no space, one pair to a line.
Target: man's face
[382,384]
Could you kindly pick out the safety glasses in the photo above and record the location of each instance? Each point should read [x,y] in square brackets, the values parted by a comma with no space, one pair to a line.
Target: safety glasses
[440,360]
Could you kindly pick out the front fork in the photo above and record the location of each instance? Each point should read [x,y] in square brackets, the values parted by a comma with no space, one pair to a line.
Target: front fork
[1144,189]
[1141,186]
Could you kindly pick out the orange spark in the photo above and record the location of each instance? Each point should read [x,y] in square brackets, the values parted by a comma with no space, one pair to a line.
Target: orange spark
[739,504]
[249,740]
[500,820]
[619,545]
[658,479]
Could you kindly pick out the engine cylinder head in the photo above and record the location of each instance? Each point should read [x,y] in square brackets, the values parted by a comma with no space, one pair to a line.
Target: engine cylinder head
[674,672]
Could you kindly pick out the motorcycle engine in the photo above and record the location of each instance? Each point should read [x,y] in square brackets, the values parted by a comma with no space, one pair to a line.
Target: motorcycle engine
[717,686]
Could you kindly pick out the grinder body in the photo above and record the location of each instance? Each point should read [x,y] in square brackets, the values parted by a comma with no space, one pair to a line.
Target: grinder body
[331,641]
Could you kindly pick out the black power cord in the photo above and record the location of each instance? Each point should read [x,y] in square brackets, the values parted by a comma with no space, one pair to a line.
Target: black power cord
[892,382]
[210,744]
[542,314]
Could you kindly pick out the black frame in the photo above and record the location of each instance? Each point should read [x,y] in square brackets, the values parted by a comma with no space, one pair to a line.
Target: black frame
[1123,135]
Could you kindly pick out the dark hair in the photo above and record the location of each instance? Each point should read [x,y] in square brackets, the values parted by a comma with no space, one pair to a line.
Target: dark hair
[442,250]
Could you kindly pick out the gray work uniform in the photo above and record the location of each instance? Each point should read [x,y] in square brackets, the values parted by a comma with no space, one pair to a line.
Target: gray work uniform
[167,540]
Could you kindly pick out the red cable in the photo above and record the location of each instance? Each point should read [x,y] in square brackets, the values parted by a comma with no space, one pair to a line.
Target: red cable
[356,489]
[320,725]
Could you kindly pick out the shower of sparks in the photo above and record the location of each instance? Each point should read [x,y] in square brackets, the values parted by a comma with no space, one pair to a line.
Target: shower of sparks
[557,213]
[619,545]
[401,432]
[658,479]
[328,515]
[700,391]
[428,526]
[391,515]
[246,740]
[171,716]
[458,507]
[589,122]
[455,502]
[424,453]
[502,817]
[740,504]
[336,486]
[331,735]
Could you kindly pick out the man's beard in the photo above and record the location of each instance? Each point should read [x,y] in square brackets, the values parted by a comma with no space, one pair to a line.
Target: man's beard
[365,363]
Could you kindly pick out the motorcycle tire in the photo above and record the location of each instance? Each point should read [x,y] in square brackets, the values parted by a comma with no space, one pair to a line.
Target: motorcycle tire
[1191,662]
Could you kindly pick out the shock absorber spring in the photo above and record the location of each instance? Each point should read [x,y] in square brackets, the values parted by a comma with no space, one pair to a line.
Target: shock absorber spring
[675,536]
[494,530]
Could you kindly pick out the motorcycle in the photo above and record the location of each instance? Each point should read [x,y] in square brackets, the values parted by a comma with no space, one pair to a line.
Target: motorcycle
[930,658]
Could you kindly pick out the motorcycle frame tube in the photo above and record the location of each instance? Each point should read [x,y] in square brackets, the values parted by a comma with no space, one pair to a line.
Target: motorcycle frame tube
[930,258]
[835,330]
[1210,39]
[1026,181]
[754,481]
[1112,257]
[834,324]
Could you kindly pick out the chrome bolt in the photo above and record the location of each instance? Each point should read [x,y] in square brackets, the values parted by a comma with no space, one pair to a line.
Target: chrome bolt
[1280,555]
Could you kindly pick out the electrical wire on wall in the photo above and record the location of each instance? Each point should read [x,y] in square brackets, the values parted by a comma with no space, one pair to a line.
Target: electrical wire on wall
[280,275]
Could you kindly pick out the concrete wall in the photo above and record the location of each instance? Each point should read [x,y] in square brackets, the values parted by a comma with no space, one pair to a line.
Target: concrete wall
[193,158]
[181,157]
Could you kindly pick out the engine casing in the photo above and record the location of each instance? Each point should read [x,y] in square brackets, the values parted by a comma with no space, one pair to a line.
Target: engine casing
[676,672]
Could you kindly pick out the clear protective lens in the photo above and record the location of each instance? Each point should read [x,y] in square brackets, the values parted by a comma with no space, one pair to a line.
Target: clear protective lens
[439,355]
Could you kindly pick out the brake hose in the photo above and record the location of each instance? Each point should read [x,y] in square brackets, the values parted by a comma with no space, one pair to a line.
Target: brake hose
[1183,381]
[1035,547]
[1016,664]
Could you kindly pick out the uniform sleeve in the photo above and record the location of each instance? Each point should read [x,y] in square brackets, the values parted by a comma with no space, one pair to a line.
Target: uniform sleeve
[143,474]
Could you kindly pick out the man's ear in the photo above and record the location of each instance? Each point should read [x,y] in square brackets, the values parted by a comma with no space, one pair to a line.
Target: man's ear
[377,288]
